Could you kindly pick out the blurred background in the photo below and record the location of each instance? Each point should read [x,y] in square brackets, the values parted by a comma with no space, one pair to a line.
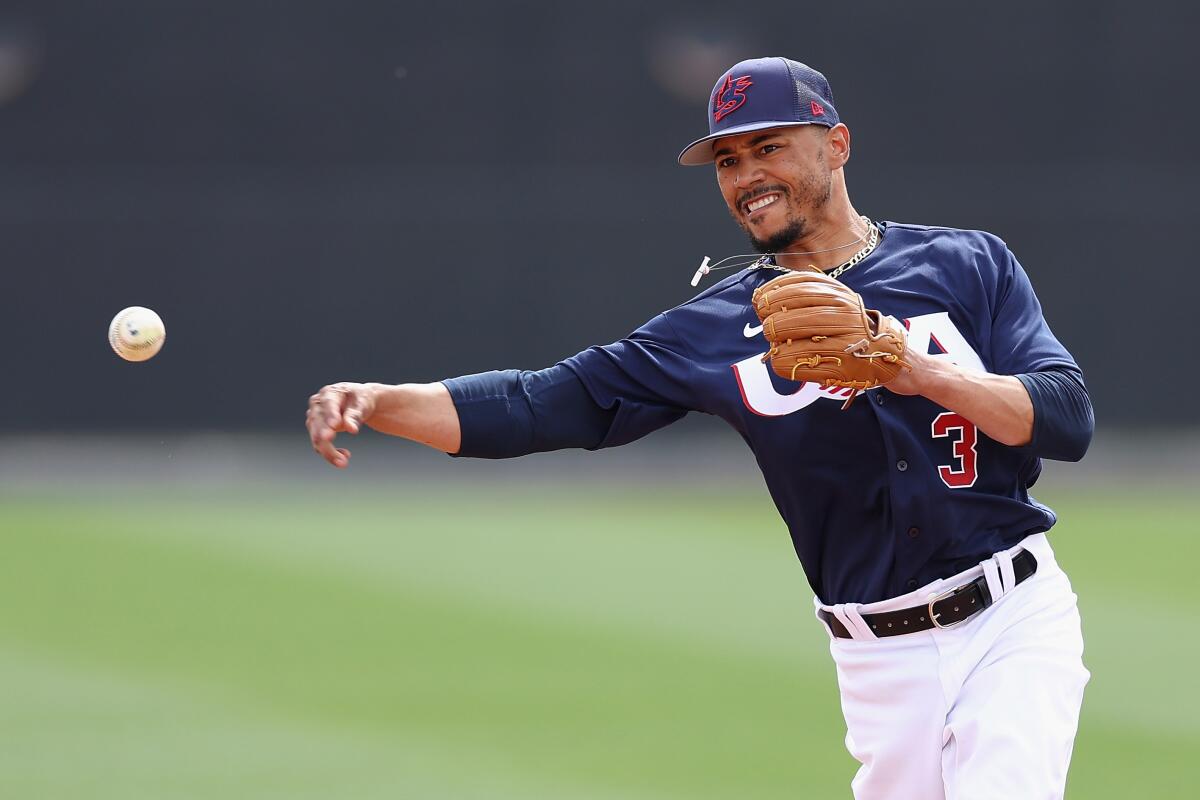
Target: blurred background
[196,606]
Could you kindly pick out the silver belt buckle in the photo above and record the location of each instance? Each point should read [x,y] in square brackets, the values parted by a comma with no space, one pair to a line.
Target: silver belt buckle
[938,598]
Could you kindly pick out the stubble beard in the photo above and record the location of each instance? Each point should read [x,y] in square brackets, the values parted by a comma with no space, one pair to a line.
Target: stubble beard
[781,240]
[813,193]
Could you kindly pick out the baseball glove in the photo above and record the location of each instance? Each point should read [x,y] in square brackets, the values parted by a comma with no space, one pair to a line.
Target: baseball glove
[820,331]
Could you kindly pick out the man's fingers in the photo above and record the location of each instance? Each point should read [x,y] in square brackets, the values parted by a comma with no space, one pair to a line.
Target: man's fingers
[337,456]
[335,408]
[356,411]
[330,453]
[322,436]
[324,416]
[329,402]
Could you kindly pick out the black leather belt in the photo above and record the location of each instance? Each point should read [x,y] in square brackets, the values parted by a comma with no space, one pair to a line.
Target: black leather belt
[948,609]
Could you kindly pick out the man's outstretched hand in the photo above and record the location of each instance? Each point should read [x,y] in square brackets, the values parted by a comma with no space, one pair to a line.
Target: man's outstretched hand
[423,412]
[336,408]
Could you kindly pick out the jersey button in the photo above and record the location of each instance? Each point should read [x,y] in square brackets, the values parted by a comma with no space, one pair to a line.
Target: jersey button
[912,584]
[879,398]
[914,532]
[902,465]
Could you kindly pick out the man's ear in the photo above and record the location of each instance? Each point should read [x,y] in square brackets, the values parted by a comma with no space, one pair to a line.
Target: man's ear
[837,144]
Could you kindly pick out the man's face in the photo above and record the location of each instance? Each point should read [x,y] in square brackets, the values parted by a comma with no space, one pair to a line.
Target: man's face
[775,182]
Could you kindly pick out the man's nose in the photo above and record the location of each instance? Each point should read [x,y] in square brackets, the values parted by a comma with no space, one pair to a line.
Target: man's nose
[746,175]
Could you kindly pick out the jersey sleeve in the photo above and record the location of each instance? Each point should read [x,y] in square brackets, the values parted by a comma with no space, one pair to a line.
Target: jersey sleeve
[1021,339]
[602,397]
[642,378]
[1024,346]
[510,413]
[1063,421]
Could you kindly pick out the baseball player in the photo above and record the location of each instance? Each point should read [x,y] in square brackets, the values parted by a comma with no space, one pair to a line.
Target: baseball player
[899,387]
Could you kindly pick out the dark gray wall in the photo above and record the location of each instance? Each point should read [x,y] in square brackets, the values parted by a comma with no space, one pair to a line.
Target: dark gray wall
[313,191]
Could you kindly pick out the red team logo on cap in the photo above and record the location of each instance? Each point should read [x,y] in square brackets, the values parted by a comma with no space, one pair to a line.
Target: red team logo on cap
[816,108]
[730,96]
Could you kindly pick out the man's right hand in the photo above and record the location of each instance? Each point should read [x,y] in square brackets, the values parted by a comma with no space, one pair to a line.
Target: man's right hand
[423,412]
[336,408]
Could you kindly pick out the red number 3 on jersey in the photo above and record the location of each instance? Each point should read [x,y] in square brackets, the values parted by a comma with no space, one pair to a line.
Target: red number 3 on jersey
[964,474]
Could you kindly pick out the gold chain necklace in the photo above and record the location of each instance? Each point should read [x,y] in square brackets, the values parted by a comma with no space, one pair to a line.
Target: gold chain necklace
[868,248]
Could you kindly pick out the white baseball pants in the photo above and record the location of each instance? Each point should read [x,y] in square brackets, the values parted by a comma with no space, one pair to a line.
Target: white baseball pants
[987,709]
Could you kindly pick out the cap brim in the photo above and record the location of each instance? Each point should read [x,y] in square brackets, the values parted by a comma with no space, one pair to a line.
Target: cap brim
[699,152]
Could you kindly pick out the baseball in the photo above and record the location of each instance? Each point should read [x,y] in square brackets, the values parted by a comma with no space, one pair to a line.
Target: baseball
[136,333]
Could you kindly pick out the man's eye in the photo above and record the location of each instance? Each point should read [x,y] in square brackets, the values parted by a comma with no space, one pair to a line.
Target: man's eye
[726,162]
[768,148]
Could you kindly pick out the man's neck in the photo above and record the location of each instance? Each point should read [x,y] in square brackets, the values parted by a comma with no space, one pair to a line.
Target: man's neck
[837,238]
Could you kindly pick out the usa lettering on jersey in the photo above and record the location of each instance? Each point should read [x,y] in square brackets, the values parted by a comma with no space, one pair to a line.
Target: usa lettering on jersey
[760,396]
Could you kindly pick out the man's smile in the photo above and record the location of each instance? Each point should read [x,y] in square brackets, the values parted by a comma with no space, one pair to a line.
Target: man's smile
[762,202]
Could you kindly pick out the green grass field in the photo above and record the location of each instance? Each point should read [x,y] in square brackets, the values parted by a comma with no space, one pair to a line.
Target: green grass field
[463,642]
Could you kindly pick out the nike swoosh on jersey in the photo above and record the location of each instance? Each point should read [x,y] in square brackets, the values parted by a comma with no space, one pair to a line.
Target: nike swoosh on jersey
[750,331]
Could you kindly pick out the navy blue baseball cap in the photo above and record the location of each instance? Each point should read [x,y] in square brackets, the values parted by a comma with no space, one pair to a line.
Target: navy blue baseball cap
[763,93]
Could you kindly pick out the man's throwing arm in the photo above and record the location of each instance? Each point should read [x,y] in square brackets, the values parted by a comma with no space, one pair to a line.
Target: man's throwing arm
[490,415]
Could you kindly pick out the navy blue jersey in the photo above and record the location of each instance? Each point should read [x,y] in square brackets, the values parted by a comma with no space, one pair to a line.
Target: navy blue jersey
[894,492]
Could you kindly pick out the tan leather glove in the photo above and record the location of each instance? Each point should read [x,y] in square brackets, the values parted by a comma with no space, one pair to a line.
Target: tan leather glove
[820,331]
